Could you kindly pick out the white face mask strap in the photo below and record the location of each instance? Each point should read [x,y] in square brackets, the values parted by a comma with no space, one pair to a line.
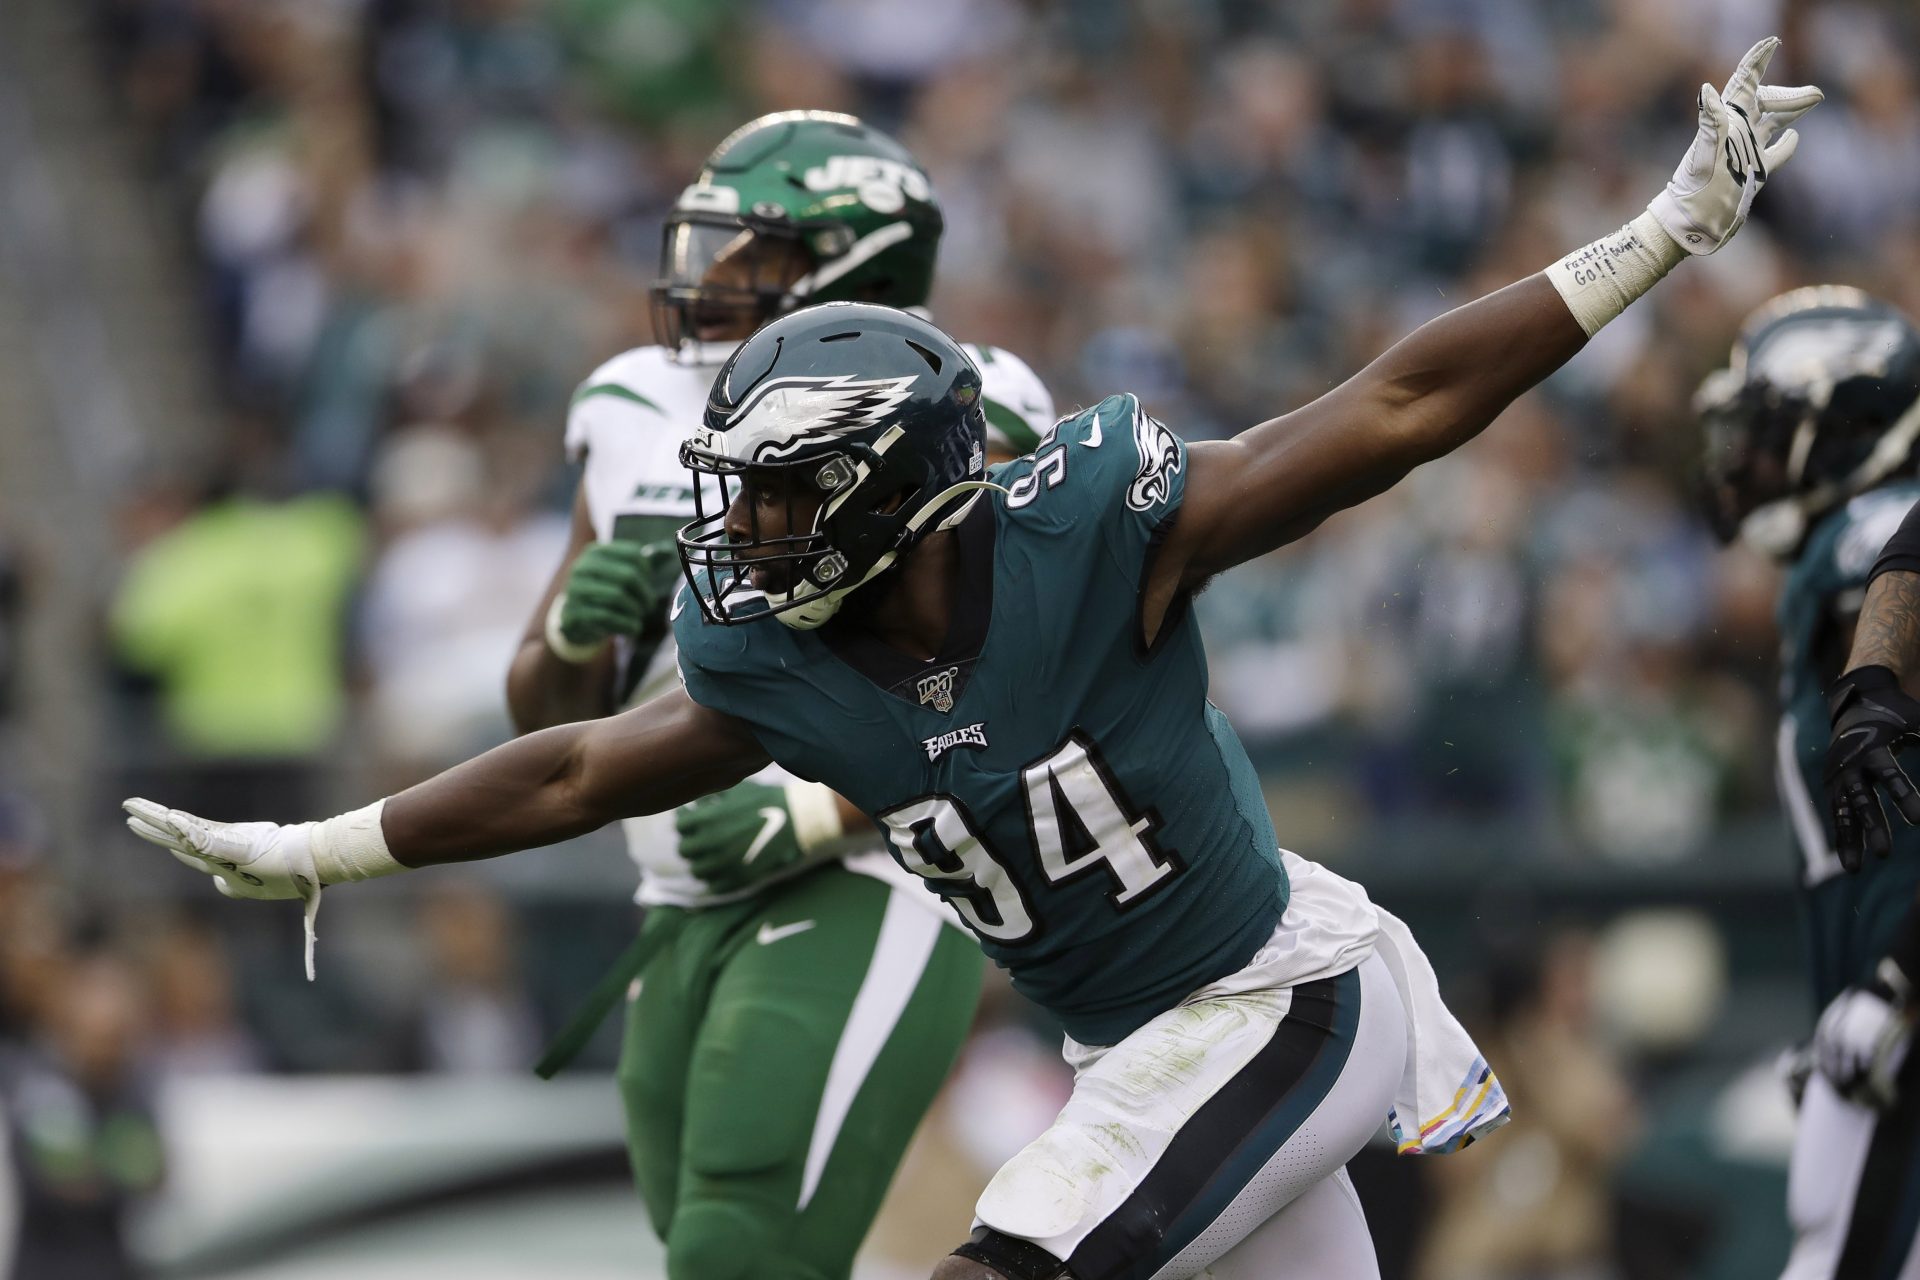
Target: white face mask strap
[862,251]
[1777,527]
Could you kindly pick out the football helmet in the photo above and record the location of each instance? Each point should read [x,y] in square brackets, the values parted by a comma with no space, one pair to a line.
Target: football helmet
[1820,401]
[813,192]
[868,420]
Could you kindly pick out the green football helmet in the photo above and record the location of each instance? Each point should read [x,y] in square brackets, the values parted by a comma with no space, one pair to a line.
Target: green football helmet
[794,208]
[1820,401]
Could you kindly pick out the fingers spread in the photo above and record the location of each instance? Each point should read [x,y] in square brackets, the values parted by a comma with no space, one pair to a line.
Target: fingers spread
[1905,799]
[1746,77]
[1712,110]
[1781,151]
[1878,842]
[1789,102]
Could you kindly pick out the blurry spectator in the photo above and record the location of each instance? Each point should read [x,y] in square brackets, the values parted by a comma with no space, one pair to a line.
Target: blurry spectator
[238,615]
[29,923]
[448,597]
[12,606]
[476,1016]
[1535,1204]
[80,1133]
[420,222]
[195,1027]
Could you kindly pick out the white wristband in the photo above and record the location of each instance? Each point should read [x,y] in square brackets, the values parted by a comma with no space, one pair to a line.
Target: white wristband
[563,648]
[816,815]
[352,847]
[1599,281]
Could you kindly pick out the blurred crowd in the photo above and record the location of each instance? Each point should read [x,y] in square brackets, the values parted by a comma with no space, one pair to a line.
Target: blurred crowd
[420,222]
[417,224]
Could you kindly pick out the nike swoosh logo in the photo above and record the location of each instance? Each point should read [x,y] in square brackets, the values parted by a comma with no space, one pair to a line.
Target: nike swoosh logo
[1094,437]
[773,821]
[769,934]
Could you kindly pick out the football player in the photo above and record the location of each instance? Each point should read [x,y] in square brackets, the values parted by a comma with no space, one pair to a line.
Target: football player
[1811,436]
[1238,1017]
[780,978]
[1873,716]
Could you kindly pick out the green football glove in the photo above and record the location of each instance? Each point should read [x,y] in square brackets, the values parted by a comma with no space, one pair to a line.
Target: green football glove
[757,832]
[613,589]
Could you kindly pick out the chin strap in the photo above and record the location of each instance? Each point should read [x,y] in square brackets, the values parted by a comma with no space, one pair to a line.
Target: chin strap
[817,611]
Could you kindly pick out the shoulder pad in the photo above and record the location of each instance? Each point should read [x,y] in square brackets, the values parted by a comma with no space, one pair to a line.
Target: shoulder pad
[1018,405]
[1113,458]
[1869,520]
[626,376]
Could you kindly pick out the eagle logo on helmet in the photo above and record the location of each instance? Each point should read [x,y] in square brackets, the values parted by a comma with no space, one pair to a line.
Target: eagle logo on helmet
[788,407]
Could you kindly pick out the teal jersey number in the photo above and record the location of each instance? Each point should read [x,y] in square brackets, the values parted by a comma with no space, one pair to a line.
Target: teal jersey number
[1067,788]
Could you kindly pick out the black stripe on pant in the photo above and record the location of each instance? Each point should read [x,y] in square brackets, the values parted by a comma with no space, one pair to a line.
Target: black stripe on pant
[1232,1135]
[1886,1201]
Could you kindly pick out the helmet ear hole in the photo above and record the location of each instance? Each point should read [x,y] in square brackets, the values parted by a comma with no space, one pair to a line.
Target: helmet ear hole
[933,361]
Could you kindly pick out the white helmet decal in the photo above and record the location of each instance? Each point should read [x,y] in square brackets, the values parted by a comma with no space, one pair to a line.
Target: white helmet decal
[776,414]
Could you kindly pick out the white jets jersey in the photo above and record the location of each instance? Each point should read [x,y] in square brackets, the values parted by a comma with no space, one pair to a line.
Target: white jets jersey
[626,423]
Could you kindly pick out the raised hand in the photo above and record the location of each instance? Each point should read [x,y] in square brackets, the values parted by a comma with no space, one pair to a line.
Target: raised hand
[1743,139]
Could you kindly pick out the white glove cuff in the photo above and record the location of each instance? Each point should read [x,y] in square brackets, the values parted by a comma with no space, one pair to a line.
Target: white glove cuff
[1599,281]
[563,648]
[816,815]
[352,847]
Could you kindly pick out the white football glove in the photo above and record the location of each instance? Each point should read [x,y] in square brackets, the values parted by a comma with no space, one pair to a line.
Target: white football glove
[260,860]
[1743,140]
[1860,1042]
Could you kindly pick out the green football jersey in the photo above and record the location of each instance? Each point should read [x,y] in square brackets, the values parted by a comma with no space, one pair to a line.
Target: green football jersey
[1069,790]
[1851,920]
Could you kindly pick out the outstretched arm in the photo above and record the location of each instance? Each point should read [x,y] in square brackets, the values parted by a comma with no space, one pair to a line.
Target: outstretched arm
[1442,385]
[1431,393]
[535,790]
[569,780]
[545,787]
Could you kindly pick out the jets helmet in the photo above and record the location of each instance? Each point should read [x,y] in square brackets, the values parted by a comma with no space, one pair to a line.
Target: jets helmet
[868,420]
[1820,401]
[813,192]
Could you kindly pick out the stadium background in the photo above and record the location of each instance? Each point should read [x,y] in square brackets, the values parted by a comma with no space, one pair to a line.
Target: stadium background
[292,296]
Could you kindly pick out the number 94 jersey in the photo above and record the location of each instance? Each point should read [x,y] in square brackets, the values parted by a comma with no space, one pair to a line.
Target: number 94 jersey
[1070,791]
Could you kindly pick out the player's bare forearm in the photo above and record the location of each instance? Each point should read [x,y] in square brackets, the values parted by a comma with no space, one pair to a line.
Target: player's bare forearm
[543,691]
[1429,394]
[568,780]
[1888,633]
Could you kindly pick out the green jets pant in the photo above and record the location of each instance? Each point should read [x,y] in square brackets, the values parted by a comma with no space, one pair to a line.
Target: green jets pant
[777,1058]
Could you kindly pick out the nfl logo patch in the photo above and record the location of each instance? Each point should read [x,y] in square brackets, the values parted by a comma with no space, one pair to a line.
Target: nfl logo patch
[938,689]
